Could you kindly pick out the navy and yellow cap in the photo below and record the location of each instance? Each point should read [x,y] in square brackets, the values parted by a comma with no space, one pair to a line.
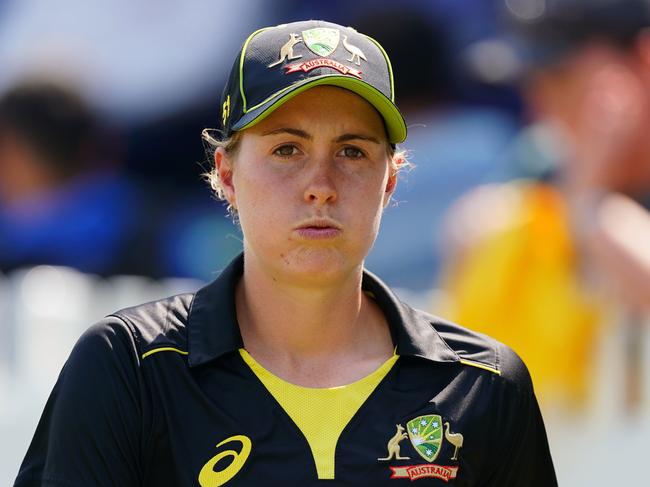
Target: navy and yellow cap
[277,63]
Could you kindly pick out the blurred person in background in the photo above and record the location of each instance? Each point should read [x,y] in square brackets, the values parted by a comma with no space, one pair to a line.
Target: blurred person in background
[154,77]
[539,264]
[63,200]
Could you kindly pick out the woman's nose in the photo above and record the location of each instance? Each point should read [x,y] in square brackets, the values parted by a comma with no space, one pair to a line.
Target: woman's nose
[321,188]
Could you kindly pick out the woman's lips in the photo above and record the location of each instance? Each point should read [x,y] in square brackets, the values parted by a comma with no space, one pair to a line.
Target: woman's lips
[318,233]
[317,229]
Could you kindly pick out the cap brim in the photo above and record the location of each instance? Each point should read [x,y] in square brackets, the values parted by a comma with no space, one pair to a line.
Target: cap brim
[395,125]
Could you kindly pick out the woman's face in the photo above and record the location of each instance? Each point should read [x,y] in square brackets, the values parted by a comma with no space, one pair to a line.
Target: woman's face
[309,183]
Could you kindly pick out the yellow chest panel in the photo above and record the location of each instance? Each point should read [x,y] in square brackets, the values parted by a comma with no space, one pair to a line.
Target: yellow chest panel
[321,414]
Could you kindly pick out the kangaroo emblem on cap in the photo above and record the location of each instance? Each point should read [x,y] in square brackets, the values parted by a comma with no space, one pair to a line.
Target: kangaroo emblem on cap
[286,52]
[355,51]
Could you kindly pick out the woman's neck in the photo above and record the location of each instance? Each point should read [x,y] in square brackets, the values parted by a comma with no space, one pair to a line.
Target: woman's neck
[329,334]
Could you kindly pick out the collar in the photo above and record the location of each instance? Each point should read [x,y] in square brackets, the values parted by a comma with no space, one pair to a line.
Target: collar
[213,330]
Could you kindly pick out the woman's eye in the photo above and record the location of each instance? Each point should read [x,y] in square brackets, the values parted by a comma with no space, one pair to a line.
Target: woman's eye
[286,150]
[352,152]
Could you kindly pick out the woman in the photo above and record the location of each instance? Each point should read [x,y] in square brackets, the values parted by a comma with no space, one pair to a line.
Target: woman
[295,365]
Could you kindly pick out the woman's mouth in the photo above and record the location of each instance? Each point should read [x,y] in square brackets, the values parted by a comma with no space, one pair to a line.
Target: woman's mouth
[319,230]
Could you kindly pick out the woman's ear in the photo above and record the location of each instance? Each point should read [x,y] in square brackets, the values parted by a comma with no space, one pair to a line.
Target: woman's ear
[390,184]
[223,164]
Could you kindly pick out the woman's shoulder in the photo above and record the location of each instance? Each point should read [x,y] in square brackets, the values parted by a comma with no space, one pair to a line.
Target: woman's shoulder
[148,326]
[130,334]
[480,351]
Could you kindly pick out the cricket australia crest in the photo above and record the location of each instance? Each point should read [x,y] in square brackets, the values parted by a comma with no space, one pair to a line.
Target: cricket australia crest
[425,433]
[321,40]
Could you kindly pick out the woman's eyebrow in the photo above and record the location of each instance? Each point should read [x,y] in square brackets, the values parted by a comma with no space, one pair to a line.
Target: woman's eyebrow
[348,137]
[288,130]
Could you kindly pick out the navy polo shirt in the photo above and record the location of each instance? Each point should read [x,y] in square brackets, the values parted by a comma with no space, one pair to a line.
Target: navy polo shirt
[159,395]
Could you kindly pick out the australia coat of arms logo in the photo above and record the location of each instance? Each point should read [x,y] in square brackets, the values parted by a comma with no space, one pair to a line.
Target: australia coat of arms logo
[321,41]
[426,434]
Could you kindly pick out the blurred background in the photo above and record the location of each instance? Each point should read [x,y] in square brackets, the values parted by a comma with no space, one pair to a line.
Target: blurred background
[526,215]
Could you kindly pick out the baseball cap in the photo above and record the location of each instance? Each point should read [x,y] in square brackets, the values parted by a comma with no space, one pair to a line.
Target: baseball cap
[277,63]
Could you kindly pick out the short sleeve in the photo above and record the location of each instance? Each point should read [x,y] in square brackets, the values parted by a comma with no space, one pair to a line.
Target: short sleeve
[90,430]
[521,457]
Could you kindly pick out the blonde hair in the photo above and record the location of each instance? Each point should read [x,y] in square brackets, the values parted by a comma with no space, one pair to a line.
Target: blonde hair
[398,160]
[211,143]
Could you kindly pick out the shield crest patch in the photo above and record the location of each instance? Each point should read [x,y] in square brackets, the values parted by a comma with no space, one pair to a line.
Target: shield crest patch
[321,40]
[425,433]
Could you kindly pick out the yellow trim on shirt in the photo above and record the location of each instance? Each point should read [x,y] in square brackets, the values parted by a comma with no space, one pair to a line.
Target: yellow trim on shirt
[321,414]
[164,349]
[480,365]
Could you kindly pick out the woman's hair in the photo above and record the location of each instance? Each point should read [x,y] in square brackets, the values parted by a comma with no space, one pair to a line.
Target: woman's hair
[211,143]
[230,145]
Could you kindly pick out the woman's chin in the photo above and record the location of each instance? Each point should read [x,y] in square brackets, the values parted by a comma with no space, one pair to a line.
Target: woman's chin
[319,265]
